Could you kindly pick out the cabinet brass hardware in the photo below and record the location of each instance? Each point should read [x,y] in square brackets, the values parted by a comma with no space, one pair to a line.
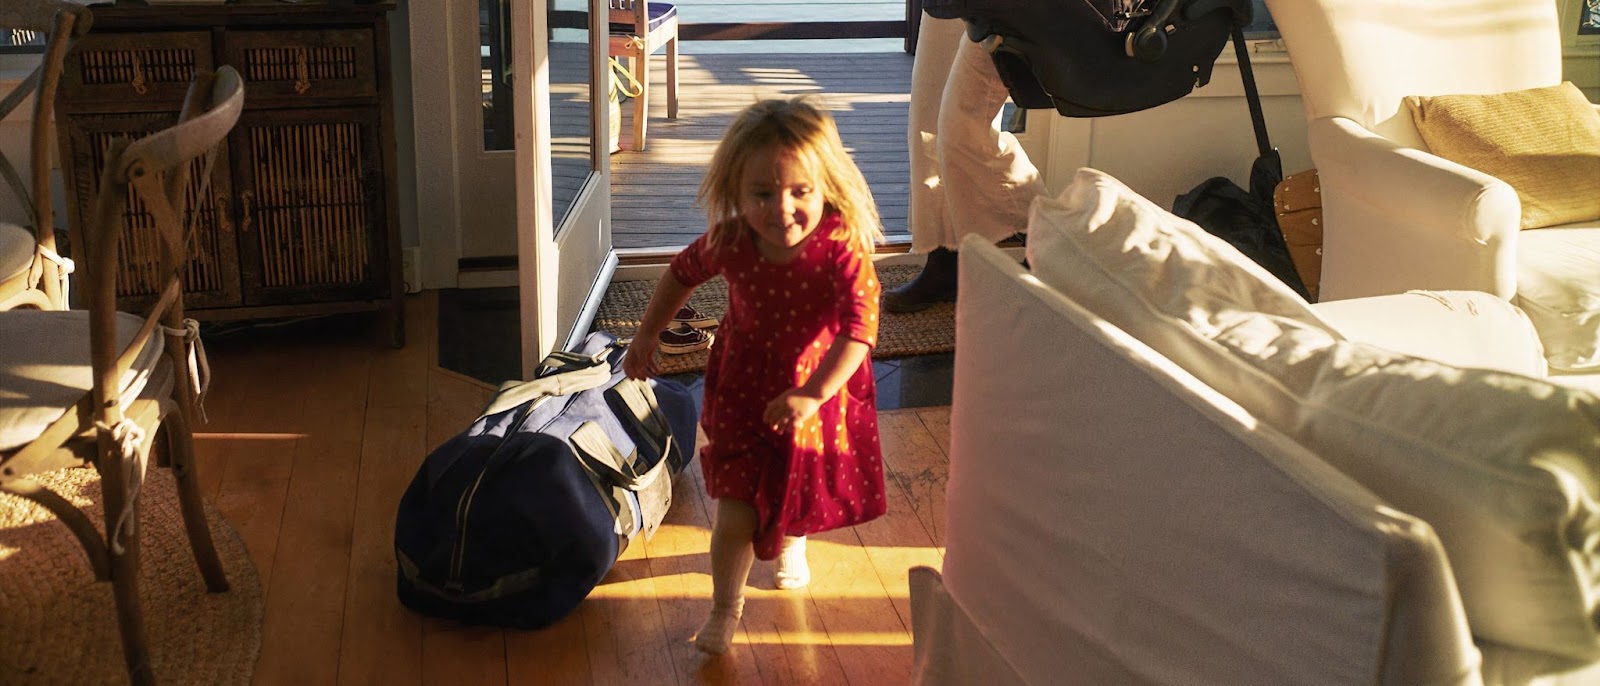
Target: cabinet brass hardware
[302,73]
[138,81]
[246,211]
[224,225]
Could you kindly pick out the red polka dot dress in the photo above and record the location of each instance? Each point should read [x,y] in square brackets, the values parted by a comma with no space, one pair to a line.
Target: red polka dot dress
[781,321]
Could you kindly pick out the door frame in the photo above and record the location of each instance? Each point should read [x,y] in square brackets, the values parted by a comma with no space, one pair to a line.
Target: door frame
[562,271]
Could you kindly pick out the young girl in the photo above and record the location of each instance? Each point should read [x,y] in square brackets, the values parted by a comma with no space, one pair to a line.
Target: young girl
[789,398]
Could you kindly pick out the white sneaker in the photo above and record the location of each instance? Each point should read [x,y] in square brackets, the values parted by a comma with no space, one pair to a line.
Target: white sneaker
[793,571]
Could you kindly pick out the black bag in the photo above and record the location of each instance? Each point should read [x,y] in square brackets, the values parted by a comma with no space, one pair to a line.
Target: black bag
[515,520]
[1247,220]
[1091,58]
[1237,216]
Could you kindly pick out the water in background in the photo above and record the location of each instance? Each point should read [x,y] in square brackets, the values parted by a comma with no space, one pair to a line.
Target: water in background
[730,11]
[724,11]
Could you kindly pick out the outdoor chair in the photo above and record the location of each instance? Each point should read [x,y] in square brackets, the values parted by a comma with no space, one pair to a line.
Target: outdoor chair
[638,29]
[32,273]
[101,387]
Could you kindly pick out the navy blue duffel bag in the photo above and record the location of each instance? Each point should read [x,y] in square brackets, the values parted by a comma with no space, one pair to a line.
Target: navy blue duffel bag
[512,522]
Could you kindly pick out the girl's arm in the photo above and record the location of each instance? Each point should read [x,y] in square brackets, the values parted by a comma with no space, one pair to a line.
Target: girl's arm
[670,294]
[797,404]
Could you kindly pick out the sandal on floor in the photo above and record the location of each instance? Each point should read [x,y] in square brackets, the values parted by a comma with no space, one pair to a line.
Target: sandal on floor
[693,318]
[682,339]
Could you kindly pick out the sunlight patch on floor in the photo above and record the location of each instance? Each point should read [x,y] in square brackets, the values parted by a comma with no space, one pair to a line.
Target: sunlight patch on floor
[825,638]
[640,589]
[219,436]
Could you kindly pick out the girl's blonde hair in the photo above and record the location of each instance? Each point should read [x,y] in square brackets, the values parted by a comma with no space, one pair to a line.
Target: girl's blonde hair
[799,127]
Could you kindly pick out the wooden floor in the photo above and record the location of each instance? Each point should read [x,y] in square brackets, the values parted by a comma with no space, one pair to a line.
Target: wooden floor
[312,440]
[653,191]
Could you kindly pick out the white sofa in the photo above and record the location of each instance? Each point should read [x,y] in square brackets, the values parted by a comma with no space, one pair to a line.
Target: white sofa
[1166,469]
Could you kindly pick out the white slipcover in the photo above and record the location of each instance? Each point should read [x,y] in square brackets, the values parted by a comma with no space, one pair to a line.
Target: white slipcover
[1112,520]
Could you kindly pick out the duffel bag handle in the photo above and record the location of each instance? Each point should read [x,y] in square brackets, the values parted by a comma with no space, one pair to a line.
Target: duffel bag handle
[611,471]
[561,373]
[600,455]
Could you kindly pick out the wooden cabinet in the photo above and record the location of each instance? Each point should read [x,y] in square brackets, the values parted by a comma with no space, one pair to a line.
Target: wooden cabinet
[299,216]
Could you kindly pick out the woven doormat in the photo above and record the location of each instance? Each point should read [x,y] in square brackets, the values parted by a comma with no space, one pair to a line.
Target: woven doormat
[899,335]
[61,625]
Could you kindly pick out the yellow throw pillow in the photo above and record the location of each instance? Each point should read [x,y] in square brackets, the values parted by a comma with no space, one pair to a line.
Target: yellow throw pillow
[1543,142]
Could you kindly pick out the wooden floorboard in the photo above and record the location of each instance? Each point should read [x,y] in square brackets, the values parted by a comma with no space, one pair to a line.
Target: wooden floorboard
[653,190]
[313,438]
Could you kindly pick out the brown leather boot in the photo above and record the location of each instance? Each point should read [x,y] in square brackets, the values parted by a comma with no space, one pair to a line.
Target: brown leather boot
[935,284]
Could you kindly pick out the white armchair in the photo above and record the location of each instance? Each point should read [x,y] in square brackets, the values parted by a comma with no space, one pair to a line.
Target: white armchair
[1397,217]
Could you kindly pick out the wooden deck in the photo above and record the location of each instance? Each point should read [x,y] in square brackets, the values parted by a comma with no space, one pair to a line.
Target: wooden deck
[653,191]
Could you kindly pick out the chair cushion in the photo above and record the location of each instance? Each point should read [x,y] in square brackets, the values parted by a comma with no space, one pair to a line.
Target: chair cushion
[17,248]
[45,368]
[1543,142]
[658,13]
[1558,285]
[1505,467]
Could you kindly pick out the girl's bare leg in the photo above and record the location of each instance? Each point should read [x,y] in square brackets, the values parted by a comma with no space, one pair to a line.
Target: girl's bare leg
[731,557]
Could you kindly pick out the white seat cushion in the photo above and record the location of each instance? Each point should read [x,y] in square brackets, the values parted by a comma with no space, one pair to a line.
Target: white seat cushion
[1558,285]
[1459,328]
[17,247]
[1505,467]
[45,369]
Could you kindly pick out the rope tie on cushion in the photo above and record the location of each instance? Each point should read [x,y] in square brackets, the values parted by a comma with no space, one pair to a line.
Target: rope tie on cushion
[130,441]
[622,80]
[199,367]
[64,266]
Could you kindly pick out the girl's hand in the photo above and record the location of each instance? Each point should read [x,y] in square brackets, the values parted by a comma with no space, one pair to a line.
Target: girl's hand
[640,360]
[788,410]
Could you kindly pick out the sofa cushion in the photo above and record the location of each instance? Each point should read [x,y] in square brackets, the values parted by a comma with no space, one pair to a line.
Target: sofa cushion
[1125,258]
[1558,285]
[1459,328]
[1543,142]
[1112,520]
[1505,467]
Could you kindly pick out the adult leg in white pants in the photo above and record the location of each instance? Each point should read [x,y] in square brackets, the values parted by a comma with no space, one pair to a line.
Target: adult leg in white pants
[967,175]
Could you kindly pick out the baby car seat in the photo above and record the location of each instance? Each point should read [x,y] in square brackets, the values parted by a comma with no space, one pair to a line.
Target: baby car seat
[1092,58]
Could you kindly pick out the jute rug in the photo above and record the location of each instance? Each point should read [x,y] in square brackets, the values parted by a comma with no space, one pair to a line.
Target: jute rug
[899,335]
[58,625]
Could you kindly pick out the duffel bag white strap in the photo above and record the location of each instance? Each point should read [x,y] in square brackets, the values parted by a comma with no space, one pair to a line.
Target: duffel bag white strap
[571,376]
[608,466]
[642,403]
[601,456]
[645,410]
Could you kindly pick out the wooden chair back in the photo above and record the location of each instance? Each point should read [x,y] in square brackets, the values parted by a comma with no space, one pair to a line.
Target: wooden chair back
[160,168]
[631,12]
[62,23]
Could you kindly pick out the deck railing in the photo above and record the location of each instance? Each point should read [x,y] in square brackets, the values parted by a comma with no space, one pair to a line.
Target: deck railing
[905,29]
